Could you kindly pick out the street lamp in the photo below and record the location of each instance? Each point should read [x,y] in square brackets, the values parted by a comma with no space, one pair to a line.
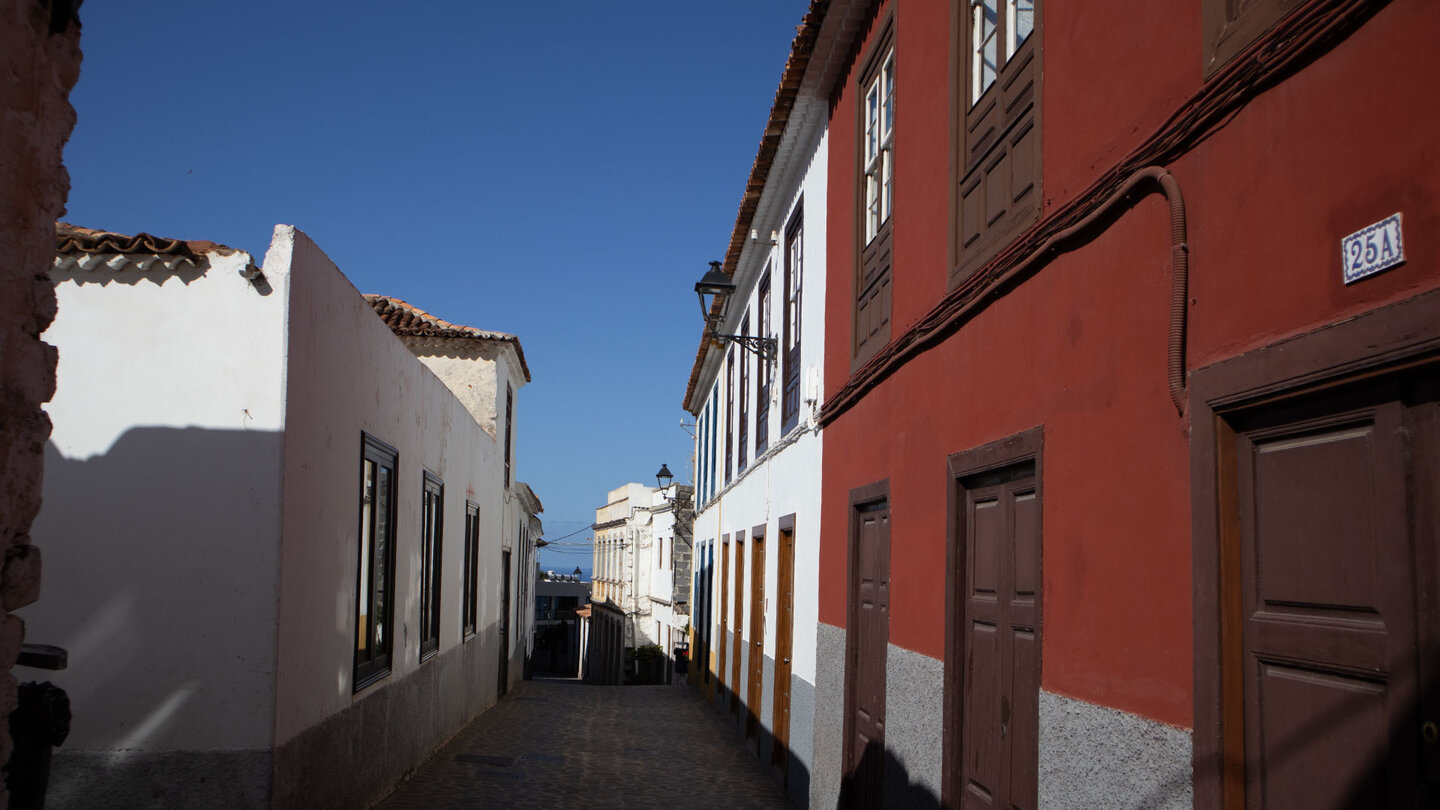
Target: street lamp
[719,287]
[664,478]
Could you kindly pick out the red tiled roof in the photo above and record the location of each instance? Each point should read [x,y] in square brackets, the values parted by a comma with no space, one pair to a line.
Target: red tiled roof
[800,49]
[407,320]
[71,239]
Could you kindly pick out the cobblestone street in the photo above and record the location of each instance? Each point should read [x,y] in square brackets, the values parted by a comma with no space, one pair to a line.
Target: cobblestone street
[561,744]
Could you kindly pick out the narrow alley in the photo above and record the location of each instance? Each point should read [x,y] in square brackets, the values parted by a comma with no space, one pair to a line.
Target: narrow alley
[557,744]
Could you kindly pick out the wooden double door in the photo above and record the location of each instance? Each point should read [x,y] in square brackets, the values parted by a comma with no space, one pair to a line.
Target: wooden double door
[1329,504]
[992,732]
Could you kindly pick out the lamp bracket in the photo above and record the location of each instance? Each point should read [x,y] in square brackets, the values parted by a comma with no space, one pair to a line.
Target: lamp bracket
[765,348]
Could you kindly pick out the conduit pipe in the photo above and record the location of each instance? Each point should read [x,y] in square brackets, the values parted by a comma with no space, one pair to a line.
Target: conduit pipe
[1179,264]
[1292,43]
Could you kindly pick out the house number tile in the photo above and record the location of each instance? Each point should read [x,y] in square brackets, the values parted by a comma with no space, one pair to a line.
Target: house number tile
[1370,250]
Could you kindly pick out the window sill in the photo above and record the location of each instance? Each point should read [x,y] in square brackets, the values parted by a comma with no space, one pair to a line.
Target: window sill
[370,679]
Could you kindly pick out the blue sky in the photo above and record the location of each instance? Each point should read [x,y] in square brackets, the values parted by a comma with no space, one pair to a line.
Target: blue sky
[559,170]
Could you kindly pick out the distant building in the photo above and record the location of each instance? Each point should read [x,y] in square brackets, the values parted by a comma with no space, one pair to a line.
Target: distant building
[530,530]
[274,532]
[636,536]
[602,639]
[557,626]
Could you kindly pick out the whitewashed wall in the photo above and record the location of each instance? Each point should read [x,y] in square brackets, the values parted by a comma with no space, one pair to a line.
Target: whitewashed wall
[348,374]
[162,505]
[788,481]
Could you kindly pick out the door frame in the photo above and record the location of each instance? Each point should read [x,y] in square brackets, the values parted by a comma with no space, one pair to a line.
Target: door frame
[737,602]
[755,664]
[1384,340]
[722,626]
[859,496]
[784,574]
[1019,448]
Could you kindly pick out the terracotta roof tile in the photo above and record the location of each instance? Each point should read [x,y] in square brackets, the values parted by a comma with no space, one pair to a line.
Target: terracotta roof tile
[407,320]
[785,95]
[72,239]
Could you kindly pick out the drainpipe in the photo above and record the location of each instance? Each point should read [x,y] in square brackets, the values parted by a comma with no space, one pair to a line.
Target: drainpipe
[1179,263]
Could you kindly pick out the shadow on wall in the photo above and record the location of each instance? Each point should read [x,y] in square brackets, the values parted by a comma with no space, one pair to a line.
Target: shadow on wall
[160,579]
[1399,772]
[898,789]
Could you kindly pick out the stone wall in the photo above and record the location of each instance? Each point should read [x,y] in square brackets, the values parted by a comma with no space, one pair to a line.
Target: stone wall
[38,66]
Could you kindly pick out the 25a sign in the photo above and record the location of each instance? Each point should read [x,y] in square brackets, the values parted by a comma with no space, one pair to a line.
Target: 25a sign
[1370,250]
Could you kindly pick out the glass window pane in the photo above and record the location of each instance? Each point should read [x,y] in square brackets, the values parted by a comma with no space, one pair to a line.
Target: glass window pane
[887,199]
[367,505]
[889,82]
[990,64]
[872,114]
[872,206]
[984,58]
[379,603]
[1021,21]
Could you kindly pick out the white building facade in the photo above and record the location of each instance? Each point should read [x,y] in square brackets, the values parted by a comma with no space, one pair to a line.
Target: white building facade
[758,454]
[278,537]
[639,533]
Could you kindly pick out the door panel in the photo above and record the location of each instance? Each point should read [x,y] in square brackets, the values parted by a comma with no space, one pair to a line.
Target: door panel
[723,636]
[784,640]
[757,636]
[737,611]
[1328,598]
[870,628]
[1000,701]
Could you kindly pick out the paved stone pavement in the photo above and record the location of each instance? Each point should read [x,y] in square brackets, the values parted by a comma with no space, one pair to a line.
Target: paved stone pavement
[564,744]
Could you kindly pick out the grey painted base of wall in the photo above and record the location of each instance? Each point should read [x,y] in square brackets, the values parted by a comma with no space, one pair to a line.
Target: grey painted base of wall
[914,708]
[354,757]
[802,741]
[170,779]
[825,773]
[767,709]
[1093,756]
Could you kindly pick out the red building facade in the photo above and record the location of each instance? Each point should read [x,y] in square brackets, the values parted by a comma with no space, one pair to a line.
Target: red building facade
[1113,451]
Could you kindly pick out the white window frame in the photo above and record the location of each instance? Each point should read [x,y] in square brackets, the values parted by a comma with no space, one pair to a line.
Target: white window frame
[879,141]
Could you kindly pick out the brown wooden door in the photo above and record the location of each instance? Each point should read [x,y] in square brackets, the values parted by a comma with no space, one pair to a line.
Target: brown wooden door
[1327,559]
[737,607]
[724,634]
[999,746]
[784,640]
[757,635]
[870,628]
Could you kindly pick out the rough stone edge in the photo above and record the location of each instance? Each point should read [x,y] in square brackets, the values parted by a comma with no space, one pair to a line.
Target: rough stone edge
[36,119]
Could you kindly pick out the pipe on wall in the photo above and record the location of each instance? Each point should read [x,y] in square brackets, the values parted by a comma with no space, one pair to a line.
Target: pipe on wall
[1124,195]
[1291,44]
[1179,262]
